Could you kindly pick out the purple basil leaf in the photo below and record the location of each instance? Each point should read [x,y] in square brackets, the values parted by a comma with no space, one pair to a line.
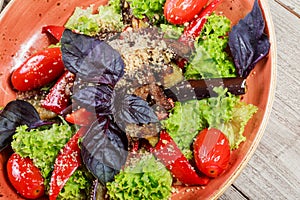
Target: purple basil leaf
[91,59]
[95,98]
[104,149]
[40,123]
[16,113]
[132,109]
[247,41]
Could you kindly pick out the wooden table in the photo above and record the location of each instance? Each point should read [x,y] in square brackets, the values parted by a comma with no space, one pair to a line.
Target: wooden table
[273,171]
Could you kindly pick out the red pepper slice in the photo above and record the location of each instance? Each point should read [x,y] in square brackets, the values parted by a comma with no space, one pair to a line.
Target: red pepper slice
[58,98]
[54,31]
[170,155]
[181,11]
[81,117]
[193,30]
[66,163]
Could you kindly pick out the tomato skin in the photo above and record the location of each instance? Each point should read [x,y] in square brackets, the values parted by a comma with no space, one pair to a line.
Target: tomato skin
[25,177]
[181,11]
[211,152]
[81,117]
[38,70]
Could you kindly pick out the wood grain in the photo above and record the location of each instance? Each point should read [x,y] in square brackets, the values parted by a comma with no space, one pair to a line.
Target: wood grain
[273,171]
[293,6]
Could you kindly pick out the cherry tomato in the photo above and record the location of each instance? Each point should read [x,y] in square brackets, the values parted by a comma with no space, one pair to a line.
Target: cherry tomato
[38,70]
[181,11]
[211,152]
[25,177]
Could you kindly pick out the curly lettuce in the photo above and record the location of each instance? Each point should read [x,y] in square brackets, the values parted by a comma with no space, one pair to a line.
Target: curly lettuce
[42,145]
[210,60]
[145,178]
[184,123]
[108,18]
[152,9]
[225,112]
[77,187]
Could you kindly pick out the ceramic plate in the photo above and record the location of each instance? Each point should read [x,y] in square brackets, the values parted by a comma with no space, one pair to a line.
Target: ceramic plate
[20,34]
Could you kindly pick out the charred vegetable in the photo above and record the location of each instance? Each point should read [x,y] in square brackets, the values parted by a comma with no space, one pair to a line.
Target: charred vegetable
[204,88]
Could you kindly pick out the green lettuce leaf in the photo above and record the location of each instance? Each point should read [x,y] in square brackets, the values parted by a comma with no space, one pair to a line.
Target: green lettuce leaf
[145,178]
[184,123]
[42,145]
[210,59]
[78,186]
[153,9]
[86,22]
[201,66]
[234,128]
[225,112]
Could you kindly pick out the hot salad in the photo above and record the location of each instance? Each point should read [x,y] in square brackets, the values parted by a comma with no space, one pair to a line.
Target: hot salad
[131,100]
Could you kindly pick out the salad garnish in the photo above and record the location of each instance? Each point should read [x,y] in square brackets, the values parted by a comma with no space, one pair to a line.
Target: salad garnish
[248,42]
[148,97]
[15,114]
[87,57]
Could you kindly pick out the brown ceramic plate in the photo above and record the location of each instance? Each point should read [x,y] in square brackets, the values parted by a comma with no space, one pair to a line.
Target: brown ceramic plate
[20,34]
